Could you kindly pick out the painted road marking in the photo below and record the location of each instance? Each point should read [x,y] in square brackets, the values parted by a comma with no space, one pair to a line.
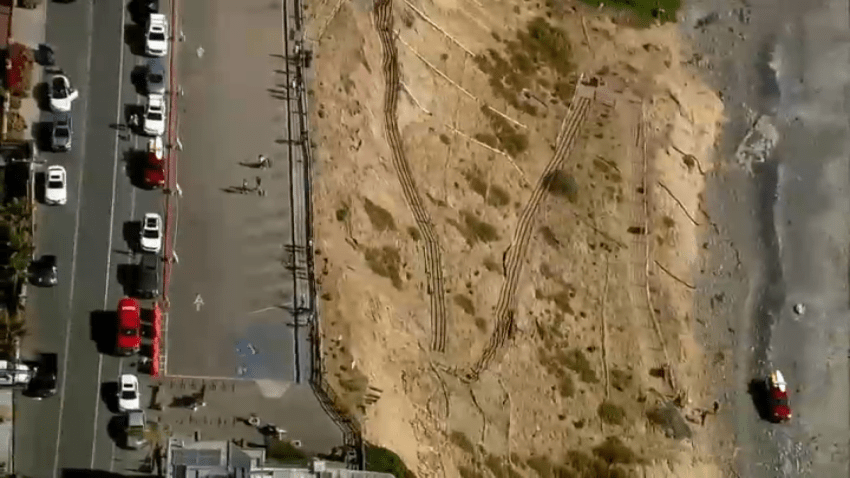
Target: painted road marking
[109,243]
[89,31]
[198,303]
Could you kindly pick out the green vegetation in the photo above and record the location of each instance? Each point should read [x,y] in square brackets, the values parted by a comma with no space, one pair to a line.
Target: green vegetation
[541,46]
[380,218]
[510,139]
[562,184]
[478,230]
[611,413]
[386,262]
[578,363]
[645,10]
[465,303]
[382,460]
[494,195]
[613,450]
[285,452]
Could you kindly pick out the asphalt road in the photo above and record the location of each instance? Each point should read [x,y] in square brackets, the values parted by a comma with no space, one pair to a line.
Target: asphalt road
[70,430]
[788,60]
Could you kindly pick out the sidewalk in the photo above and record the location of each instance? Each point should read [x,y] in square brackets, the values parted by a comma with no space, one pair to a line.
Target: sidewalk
[29,28]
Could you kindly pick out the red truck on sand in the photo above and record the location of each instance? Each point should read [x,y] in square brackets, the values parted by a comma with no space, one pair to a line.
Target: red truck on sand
[154,175]
[777,396]
[129,336]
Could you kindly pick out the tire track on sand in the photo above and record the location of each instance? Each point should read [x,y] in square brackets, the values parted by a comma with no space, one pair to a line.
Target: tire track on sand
[383,11]
[514,257]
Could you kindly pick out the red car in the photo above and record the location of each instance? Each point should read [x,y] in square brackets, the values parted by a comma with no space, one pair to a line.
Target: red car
[777,396]
[129,337]
[155,168]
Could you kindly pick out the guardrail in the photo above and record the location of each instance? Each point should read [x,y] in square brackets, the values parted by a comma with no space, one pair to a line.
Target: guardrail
[350,427]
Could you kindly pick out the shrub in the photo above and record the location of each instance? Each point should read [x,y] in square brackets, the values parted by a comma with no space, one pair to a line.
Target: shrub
[386,461]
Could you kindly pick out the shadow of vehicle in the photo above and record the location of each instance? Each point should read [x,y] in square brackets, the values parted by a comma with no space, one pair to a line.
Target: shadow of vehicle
[134,38]
[109,394]
[130,232]
[40,93]
[137,78]
[103,325]
[135,162]
[140,10]
[127,274]
[760,394]
[115,429]
[41,135]
[40,185]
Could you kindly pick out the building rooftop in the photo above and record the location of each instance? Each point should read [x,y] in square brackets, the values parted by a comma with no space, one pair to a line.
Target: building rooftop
[222,459]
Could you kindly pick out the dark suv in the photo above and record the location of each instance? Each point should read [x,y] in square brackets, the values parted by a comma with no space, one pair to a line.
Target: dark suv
[150,276]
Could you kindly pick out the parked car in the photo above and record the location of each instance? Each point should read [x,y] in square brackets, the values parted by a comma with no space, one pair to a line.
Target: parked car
[150,276]
[55,187]
[155,77]
[44,272]
[134,429]
[43,384]
[15,373]
[156,35]
[128,393]
[154,120]
[61,93]
[154,175]
[44,55]
[777,396]
[129,337]
[151,234]
[63,131]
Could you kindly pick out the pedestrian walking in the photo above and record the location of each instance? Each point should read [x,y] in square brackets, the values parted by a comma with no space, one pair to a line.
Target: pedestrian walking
[261,191]
[244,186]
[259,181]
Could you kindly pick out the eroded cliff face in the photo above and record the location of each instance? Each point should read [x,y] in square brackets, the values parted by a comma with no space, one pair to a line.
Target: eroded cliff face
[564,223]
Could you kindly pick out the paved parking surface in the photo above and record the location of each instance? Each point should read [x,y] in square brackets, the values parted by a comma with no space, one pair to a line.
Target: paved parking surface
[230,403]
[231,290]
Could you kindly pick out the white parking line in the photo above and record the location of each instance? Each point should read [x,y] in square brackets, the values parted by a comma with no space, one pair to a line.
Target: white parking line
[109,243]
[82,142]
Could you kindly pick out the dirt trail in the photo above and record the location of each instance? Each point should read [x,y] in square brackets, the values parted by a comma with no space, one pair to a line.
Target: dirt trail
[515,255]
[433,256]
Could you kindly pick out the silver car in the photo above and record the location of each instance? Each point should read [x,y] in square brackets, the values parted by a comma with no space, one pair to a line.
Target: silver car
[155,76]
[63,130]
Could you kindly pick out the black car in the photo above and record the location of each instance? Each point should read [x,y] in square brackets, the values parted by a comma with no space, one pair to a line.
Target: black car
[43,384]
[149,277]
[44,55]
[44,272]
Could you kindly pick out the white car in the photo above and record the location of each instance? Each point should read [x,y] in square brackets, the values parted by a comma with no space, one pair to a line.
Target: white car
[156,35]
[128,393]
[61,93]
[55,187]
[155,115]
[151,235]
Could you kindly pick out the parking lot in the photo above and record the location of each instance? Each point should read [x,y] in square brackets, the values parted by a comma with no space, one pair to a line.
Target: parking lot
[231,290]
